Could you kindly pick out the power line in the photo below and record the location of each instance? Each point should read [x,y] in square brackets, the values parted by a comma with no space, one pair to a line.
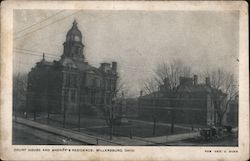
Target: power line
[48,24]
[22,52]
[35,51]
[134,69]
[39,22]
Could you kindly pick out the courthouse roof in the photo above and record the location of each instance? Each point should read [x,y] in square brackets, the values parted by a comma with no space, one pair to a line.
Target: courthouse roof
[74,30]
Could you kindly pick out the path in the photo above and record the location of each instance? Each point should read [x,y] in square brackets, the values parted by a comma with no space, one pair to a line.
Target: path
[163,124]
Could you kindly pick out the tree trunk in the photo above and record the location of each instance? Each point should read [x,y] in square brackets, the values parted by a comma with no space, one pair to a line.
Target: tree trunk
[154,127]
[64,116]
[172,121]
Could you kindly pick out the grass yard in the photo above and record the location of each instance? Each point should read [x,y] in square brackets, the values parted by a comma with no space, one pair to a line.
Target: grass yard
[139,130]
[71,121]
[98,126]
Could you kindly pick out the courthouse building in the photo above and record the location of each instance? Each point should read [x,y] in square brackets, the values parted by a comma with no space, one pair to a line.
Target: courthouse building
[71,84]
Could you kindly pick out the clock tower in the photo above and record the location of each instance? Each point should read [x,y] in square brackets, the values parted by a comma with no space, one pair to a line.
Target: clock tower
[73,46]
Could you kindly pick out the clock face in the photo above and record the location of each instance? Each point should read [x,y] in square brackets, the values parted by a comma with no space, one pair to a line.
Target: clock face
[77,38]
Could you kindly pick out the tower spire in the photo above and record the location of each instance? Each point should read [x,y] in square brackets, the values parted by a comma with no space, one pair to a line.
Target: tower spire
[73,46]
[43,57]
[74,23]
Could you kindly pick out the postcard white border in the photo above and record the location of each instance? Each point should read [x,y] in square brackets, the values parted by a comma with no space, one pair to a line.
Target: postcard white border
[141,152]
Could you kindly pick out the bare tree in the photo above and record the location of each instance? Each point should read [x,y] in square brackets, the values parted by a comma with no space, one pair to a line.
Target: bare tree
[151,85]
[108,109]
[224,82]
[121,88]
[108,114]
[173,71]
[19,91]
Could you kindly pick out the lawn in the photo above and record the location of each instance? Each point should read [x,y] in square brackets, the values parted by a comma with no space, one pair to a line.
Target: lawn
[71,121]
[98,126]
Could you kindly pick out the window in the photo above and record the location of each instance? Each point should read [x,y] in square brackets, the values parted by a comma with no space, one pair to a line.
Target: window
[109,84]
[66,95]
[72,80]
[112,85]
[96,82]
[79,50]
[73,95]
[67,79]
[92,95]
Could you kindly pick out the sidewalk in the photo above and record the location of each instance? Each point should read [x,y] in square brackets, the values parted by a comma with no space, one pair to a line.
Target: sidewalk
[164,124]
[172,138]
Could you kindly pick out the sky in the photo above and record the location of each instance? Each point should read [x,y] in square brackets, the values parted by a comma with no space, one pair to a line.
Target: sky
[138,40]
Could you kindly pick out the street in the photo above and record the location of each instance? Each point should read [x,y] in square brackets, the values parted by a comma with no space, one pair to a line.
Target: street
[24,135]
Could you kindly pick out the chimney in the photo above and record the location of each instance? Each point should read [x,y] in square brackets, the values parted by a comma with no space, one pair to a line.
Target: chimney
[208,81]
[114,66]
[141,92]
[195,80]
[105,67]
[167,83]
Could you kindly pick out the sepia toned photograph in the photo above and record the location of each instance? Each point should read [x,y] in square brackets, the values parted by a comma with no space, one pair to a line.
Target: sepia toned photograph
[125,77]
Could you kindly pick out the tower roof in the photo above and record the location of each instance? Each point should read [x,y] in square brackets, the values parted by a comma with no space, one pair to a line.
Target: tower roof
[74,31]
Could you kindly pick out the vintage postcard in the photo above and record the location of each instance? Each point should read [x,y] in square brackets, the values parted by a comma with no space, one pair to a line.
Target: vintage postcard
[124,80]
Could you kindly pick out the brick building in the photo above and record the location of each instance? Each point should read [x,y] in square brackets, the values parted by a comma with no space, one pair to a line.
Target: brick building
[71,84]
[189,103]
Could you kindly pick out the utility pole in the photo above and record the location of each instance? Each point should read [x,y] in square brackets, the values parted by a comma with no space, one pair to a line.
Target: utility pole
[172,120]
[64,98]
[48,114]
[111,119]
[34,113]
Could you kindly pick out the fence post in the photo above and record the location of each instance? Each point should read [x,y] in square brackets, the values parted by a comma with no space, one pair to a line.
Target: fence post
[154,128]
[64,116]
[34,115]
[26,115]
[96,141]
[130,133]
